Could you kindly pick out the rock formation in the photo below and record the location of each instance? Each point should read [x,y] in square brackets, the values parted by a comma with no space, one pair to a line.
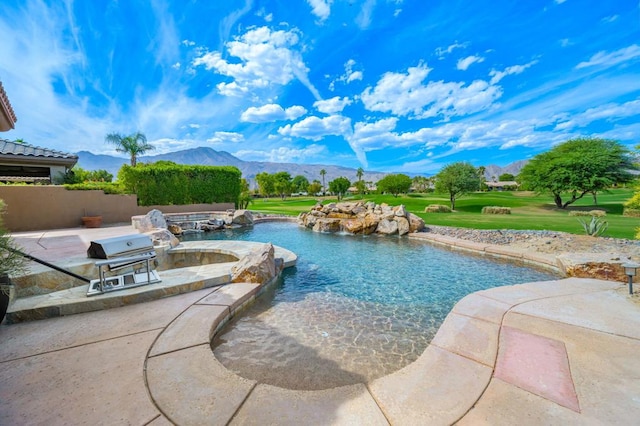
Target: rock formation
[361,218]
[259,266]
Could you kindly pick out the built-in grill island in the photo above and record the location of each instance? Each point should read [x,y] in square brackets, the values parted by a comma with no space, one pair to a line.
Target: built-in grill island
[132,256]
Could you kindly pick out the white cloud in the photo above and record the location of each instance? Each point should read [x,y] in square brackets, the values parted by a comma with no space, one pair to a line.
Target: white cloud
[376,135]
[559,1]
[266,58]
[565,42]
[271,112]
[465,63]
[405,94]
[363,20]
[609,59]
[282,154]
[320,8]
[176,66]
[220,137]
[610,19]
[188,43]
[349,75]
[609,112]
[441,52]
[333,105]
[496,76]
[316,128]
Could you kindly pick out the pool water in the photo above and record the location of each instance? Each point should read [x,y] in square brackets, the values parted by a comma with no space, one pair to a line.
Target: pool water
[353,309]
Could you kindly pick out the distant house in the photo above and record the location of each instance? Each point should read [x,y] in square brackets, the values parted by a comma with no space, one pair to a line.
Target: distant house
[7,116]
[21,162]
[502,186]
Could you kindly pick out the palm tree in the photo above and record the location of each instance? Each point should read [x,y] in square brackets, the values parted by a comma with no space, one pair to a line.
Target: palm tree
[134,145]
[359,173]
[323,172]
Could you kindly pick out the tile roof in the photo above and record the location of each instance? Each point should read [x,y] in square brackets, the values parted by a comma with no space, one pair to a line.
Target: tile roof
[7,115]
[26,150]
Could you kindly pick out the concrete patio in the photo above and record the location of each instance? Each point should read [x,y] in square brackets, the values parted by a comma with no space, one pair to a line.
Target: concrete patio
[557,352]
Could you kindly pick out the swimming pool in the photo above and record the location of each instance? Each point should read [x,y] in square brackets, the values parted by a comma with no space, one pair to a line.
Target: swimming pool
[353,309]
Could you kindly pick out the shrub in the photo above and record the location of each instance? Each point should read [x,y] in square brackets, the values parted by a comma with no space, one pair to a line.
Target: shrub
[593,213]
[107,187]
[631,212]
[166,183]
[437,208]
[595,227]
[634,202]
[496,210]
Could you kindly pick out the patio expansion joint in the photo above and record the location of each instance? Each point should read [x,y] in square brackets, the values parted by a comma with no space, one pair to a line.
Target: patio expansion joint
[82,344]
[373,396]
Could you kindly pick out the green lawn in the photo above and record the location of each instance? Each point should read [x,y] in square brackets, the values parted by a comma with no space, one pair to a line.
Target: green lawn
[528,210]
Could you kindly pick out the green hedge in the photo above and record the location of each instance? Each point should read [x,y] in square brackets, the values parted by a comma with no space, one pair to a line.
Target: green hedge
[166,184]
[107,187]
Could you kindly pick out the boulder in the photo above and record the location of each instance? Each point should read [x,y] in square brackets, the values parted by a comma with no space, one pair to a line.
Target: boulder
[259,266]
[387,227]
[161,237]
[370,224]
[353,226]
[403,225]
[152,220]
[174,229]
[400,211]
[327,225]
[416,224]
[604,266]
[242,217]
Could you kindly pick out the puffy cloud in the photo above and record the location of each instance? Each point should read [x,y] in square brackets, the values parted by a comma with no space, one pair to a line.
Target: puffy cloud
[333,105]
[609,59]
[220,137]
[266,58]
[320,8]
[349,75]
[405,94]
[376,135]
[282,154]
[271,112]
[465,63]
[496,76]
[316,128]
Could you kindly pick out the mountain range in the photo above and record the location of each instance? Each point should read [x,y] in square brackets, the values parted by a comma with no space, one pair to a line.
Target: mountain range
[210,157]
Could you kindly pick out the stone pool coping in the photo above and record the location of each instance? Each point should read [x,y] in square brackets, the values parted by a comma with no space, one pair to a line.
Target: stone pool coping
[464,375]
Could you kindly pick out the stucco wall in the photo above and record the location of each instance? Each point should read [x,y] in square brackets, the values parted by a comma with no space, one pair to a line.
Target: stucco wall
[31,208]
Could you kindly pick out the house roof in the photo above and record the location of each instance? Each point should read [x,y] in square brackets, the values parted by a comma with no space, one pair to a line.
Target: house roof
[22,152]
[7,116]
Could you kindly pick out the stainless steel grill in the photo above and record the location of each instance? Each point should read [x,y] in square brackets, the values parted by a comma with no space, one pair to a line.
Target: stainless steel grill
[134,251]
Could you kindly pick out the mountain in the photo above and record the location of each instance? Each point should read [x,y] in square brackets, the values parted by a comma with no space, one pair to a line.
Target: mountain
[211,157]
[495,171]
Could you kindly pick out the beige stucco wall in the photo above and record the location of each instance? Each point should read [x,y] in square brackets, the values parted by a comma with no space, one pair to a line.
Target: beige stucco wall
[31,208]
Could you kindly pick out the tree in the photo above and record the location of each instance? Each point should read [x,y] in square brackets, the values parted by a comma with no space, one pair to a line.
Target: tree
[315,187]
[481,172]
[339,186]
[282,184]
[506,177]
[359,173]
[266,184]
[300,184]
[578,167]
[421,184]
[245,195]
[394,184]
[134,144]
[457,179]
[323,173]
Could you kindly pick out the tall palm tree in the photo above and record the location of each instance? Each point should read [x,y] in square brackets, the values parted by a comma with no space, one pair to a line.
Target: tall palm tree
[359,173]
[323,172]
[134,145]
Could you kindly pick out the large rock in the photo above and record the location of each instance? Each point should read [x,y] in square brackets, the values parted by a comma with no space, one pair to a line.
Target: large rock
[387,227]
[152,220]
[605,266]
[416,224]
[161,237]
[242,217]
[327,225]
[403,225]
[259,266]
[353,226]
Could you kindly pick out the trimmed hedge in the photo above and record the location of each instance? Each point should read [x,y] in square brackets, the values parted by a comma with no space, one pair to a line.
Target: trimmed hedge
[594,213]
[437,208]
[168,183]
[496,210]
[107,187]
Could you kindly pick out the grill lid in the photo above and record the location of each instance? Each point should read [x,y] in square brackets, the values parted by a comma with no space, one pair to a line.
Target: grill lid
[126,245]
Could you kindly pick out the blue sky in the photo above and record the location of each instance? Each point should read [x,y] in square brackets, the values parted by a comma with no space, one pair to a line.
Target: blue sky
[387,85]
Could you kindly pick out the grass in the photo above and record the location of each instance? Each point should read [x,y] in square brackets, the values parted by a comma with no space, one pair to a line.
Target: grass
[528,210]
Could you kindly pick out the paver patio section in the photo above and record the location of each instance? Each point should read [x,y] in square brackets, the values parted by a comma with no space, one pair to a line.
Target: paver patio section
[151,363]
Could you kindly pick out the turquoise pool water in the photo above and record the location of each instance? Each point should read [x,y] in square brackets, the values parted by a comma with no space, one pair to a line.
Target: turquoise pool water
[353,309]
